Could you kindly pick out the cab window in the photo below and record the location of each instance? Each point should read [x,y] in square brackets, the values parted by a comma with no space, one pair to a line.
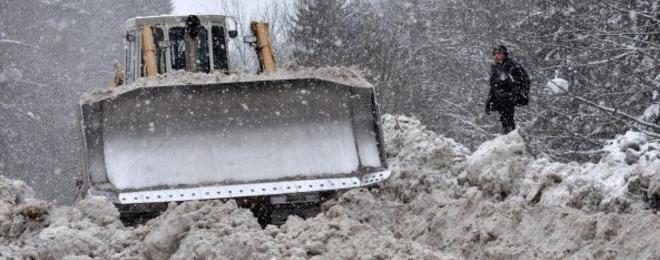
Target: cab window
[130,56]
[159,37]
[178,49]
[219,48]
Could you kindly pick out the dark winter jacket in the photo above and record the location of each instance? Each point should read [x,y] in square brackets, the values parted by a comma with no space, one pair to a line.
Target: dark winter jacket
[509,86]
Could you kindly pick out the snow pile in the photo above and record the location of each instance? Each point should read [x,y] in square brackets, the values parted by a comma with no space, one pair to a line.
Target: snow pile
[440,203]
[341,75]
[204,230]
[19,210]
[479,207]
[624,179]
[419,158]
[497,165]
[90,229]
[410,144]
[631,148]
[203,226]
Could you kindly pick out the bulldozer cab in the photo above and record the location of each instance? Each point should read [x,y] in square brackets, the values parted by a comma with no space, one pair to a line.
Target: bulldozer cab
[190,43]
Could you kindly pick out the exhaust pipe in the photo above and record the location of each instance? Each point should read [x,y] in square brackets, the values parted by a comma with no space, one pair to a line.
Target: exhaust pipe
[149,52]
[264,46]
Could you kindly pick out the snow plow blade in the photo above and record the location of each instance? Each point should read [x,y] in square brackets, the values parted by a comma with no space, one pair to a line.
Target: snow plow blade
[224,140]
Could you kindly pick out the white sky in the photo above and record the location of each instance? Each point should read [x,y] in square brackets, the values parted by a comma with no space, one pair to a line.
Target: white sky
[251,7]
[183,7]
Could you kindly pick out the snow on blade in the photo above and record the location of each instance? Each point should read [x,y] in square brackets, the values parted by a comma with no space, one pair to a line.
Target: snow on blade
[342,75]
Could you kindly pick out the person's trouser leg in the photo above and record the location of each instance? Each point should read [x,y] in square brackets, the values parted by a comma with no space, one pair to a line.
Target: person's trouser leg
[506,117]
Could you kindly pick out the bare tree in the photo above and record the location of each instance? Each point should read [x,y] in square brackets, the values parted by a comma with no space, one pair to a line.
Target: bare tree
[276,14]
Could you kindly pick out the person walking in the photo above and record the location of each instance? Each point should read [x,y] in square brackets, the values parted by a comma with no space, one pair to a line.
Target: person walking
[509,87]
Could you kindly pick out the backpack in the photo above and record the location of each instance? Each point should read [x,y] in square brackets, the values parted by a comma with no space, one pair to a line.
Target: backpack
[522,89]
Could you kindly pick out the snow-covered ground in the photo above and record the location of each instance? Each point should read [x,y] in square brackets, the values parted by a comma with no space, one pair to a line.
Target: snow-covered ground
[442,202]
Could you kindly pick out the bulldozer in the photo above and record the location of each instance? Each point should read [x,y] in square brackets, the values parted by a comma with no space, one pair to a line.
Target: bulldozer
[276,143]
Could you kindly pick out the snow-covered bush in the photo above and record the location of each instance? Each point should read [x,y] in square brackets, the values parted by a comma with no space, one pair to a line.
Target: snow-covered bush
[651,114]
[556,86]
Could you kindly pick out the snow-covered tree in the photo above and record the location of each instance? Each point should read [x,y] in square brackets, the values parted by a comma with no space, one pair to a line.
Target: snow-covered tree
[320,31]
[430,59]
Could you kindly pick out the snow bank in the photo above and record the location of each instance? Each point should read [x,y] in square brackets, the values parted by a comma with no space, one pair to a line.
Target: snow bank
[479,207]
[624,178]
[19,210]
[419,158]
[209,230]
[497,165]
[631,148]
[410,144]
[440,203]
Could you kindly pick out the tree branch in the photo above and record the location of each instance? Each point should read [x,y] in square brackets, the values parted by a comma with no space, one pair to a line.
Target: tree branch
[8,41]
[614,111]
